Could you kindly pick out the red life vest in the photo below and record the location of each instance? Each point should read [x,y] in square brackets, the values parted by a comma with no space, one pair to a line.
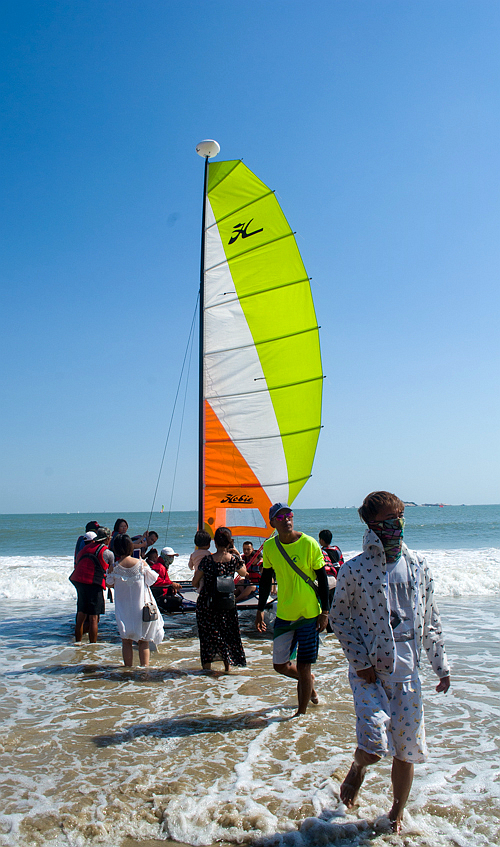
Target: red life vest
[254,567]
[90,565]
[163,581]
[333,560]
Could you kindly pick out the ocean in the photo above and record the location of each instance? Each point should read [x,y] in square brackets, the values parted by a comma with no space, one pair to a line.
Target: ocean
[95,754]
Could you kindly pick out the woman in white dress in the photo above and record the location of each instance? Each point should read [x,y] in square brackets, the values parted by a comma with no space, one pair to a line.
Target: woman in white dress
[131,578]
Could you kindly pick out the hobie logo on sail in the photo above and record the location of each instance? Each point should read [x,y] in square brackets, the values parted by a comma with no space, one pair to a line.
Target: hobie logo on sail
[241,229]
[234,498]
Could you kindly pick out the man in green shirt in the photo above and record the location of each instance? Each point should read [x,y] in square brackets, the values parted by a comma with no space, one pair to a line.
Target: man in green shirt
[300,615]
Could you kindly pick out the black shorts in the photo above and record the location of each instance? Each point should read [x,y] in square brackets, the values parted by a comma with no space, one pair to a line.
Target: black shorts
[90,599]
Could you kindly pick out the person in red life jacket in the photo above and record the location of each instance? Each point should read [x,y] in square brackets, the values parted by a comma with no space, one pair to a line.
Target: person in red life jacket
[247,586]
[332,555]
[164,590]
[333,560]
[253,562]
[92,526]
[88,577]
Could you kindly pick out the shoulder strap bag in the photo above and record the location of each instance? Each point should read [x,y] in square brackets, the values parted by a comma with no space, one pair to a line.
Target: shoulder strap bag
[150,609]
[292,564]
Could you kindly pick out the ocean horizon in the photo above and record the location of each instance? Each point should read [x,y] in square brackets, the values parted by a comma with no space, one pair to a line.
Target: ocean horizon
[426,526]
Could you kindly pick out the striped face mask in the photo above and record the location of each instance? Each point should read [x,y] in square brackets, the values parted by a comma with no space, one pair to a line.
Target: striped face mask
[390,533]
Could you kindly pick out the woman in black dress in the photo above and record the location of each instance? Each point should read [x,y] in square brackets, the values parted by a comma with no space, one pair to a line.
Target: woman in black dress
[218,630]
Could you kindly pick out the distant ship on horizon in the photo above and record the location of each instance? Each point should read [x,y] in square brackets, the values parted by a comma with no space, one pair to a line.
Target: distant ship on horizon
[411,503]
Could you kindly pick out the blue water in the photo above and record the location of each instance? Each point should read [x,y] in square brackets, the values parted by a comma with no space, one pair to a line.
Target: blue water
[427,527]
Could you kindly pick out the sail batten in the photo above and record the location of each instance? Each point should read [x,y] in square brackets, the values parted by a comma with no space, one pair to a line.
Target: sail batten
[263,437]
[252,249]
[259,431]
[245,206]
[261,390]
[235,485]
[259,291]
[263,341]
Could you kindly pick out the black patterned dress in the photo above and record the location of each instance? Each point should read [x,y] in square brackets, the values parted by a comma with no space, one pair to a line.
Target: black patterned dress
[218,631]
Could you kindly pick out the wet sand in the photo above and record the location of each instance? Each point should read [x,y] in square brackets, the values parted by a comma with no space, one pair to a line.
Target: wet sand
[95,753]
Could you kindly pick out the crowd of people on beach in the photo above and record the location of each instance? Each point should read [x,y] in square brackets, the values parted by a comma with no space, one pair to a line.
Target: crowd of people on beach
[379,604]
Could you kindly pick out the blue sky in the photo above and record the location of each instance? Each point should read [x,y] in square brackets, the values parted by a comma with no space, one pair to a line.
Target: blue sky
[378,125]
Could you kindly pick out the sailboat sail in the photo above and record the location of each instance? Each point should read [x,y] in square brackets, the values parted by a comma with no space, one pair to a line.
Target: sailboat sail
[262,377]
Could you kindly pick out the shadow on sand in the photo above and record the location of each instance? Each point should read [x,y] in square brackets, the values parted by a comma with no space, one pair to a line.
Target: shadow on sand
[114,672]
[187,725]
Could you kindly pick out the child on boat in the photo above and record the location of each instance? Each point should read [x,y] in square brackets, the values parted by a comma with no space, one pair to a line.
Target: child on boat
[202,541]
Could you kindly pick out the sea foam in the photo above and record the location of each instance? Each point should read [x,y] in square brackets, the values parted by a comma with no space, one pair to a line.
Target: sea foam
[457,573]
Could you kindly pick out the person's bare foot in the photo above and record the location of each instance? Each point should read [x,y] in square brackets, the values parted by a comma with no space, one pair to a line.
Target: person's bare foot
[396,825]
[351,785]
[396,820]
[314,693]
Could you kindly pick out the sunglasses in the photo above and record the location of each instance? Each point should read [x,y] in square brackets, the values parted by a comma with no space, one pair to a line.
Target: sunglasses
[283,517]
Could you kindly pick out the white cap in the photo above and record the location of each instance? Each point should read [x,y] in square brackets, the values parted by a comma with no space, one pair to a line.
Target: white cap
[90,536]
[167,551]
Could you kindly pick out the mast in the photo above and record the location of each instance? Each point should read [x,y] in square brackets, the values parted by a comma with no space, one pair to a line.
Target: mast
[206,149]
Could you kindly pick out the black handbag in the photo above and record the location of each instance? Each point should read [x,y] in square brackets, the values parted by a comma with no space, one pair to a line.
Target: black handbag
[223,598]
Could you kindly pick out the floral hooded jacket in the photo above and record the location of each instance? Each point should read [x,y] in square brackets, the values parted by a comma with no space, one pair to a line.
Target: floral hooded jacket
[360,615]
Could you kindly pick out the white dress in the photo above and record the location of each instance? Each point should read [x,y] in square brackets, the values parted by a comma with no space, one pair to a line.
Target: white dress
[130,596]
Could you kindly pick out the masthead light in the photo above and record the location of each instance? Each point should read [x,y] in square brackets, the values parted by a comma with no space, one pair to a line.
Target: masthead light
[208,148]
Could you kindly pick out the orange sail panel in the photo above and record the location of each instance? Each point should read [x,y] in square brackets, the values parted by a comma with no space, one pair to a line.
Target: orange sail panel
[230,484]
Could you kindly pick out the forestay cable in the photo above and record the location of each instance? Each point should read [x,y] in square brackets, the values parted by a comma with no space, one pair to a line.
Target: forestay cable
[179,441]
[189,342]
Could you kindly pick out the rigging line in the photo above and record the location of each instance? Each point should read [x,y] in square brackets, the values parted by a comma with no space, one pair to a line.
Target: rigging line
[173,411]
[252,250]
[180,436]
[239,209]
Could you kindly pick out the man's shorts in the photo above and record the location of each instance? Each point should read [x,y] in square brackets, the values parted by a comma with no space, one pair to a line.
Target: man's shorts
[302,635]
[389,718]
[90,599]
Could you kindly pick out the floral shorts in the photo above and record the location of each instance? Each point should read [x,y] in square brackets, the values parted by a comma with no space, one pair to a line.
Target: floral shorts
[389,718]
